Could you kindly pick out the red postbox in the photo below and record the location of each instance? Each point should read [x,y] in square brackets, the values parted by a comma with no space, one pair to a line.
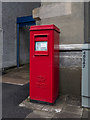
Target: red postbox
[44,63]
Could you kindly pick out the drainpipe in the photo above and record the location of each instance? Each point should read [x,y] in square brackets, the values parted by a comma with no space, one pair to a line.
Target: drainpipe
[86,58]
[86,22]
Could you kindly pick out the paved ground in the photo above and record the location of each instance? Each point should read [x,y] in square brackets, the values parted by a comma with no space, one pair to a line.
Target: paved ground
[16,102]
[15,89]
[65,107]
[17,76]
[12,96]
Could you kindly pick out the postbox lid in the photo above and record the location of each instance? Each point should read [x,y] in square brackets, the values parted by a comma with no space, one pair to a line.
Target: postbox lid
[44,27]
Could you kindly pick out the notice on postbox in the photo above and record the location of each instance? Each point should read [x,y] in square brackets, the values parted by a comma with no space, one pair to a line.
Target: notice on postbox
[41,46]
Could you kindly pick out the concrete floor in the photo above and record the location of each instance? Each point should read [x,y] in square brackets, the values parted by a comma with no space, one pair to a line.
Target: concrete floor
[14,81]
[12,96]
[18,76]
[64,107]
[15,89]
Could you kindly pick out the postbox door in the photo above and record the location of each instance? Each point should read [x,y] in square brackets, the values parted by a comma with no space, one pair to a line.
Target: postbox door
[41,44]
[41,65]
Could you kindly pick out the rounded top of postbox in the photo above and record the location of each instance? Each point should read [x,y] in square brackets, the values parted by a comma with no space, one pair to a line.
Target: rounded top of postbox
[44,27]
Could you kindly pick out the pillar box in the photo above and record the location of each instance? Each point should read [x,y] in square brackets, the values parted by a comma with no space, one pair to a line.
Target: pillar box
[44,63]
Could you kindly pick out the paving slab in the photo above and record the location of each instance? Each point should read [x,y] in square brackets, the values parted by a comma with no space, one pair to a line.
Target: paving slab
[66,115]
[73,109]
[12,96]
[59,110]
[14,81]
[73,100]
[85,113]
[17,76]
[54,108]
[57,107]
[34,106]
[40,114]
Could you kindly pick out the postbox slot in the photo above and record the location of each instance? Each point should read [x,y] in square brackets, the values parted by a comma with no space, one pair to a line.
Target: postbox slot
[41,44]
[40,35]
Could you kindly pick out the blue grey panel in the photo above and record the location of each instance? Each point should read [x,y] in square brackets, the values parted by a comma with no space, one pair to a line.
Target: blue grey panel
[86,102]
[86,76]
[85,73]
[86,47]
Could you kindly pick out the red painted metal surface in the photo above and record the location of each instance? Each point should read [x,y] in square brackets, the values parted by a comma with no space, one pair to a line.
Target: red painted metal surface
[44,65]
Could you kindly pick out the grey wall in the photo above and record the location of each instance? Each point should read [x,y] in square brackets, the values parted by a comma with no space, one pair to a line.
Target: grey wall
[87,22]
[0,14]
[70,72]
[1,51]
[10,12]
[86,7]
[69,17]
[1,37]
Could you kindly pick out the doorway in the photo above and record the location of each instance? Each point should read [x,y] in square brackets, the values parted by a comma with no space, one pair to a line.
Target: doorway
[23,38]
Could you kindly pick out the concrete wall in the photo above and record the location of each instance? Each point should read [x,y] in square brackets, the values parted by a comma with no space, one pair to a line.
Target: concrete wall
[0,14]
[1,48]
[1,37]
[87,22]
[70,72]
[69,17]
[10,12]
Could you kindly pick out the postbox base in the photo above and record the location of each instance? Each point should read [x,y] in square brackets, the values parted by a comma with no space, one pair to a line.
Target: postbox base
[42,102]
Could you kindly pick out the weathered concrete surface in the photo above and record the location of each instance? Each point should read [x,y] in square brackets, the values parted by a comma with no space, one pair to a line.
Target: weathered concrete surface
[70,81]
[73,109]
[10,12]
[65,107]
[67,115]
[40,114]
[17,76]
[0,14]
[71,59]
[70,23]
[70,73]
[70,47]
[1,47]
[12,96]
[85,113]
[1,37]
[1,52]
[54,10]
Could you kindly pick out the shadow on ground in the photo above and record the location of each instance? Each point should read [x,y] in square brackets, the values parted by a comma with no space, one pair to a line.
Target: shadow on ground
[12,96]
